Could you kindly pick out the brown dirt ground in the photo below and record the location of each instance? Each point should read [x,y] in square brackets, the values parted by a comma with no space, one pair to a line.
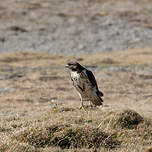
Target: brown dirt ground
[38,78]
[32,84]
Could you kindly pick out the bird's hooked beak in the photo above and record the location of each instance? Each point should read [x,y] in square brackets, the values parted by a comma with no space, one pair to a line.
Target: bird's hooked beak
[67,66]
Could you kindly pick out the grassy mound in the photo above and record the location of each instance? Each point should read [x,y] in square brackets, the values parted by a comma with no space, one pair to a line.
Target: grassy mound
[85,137]
[67,137]
[117,130]
[127,119]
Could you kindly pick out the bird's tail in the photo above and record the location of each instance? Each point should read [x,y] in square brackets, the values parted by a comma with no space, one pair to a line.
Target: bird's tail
[100,99]
[100,94]
[96,100]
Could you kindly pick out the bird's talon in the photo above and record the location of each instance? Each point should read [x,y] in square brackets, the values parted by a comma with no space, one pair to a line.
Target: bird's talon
[82,107]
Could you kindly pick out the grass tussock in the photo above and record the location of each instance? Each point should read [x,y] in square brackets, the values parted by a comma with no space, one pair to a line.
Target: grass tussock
[117,130]
[38,136]
[127,119]
[67,137]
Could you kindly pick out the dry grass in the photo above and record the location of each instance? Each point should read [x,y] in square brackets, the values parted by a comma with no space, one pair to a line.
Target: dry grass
[39,109]
[124,58]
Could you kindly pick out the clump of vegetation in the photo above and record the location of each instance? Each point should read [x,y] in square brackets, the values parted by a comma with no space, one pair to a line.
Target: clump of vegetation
[67,137]
[85,137]
[38,136]
[127,119]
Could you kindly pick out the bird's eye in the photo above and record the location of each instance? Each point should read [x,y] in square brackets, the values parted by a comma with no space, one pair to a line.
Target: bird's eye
[69,64]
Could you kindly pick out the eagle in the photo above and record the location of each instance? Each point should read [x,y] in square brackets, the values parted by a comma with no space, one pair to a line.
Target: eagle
[85,84]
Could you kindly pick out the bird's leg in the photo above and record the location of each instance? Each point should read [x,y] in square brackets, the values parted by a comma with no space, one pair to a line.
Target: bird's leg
[91,105]
[82,106]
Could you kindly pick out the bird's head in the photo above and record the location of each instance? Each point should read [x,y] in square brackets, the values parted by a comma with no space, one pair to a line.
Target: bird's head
[74,66]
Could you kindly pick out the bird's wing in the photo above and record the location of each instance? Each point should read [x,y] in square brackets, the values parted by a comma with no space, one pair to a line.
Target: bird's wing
[93,81]
[91,78]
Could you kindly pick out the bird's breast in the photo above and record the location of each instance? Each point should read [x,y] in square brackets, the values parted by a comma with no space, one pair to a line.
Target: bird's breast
[75,76]
[80,79]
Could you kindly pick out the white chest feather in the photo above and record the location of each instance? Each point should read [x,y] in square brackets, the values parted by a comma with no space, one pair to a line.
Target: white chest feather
[81,81]
[79,78]
[75,76]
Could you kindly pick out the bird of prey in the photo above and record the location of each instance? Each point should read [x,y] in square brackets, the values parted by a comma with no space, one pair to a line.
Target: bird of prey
[85,84]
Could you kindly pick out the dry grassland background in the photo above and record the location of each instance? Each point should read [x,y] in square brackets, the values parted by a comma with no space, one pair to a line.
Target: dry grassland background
[40,109]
